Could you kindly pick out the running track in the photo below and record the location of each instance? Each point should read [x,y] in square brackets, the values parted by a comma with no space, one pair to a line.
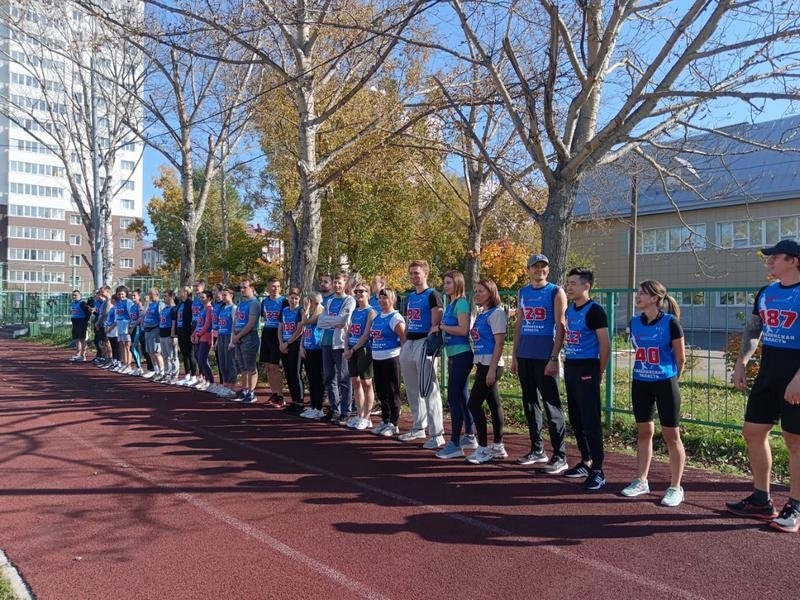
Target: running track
[115,488]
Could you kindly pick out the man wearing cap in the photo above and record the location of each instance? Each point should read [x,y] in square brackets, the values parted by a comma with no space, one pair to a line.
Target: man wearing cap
[538,337]
[775,394]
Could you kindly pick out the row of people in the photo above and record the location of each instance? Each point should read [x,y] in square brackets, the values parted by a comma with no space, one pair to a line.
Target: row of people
[344,342]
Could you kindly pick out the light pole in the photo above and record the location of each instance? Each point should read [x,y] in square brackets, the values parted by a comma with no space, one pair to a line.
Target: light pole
[633,245]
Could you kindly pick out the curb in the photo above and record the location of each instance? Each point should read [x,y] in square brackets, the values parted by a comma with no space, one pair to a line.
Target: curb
[18,586]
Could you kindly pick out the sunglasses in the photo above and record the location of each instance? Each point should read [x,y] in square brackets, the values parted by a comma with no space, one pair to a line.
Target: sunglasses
[359,291]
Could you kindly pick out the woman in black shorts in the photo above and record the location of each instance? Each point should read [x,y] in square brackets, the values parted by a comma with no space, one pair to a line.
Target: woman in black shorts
[657,339]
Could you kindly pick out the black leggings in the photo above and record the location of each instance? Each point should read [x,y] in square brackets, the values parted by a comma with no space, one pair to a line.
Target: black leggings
[187,352]
[114,348]
[316,387]
[480,393]
[387,387]
[291,369]
[582,380]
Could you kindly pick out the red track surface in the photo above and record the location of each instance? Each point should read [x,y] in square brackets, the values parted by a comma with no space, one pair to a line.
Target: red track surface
[114,487]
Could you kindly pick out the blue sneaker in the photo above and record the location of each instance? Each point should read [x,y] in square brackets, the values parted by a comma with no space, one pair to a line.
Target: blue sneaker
[249,397]
[595,481]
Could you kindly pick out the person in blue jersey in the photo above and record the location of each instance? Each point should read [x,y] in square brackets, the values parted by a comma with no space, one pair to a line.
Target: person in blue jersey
[185,316]
[538,338]
[216,306]
[358,355]
[137,340]
[377,283]
[225,354]
[659,357]
[488,338]
[775,395]
[168,336]
[122,320]
[587,349]
[245,340]
[290,333]
[270,354]
[201,338]
[150,322]
[111,333]
[387,333]
[79,313]
[455,327]
[311,356]
[333,323]
[325,286]
[100,311]
[423,315]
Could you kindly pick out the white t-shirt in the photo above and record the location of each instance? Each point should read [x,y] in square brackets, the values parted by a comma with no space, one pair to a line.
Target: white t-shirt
[498,321]
[384,354]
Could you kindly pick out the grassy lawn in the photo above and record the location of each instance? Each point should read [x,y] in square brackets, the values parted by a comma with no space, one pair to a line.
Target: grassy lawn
[5,589]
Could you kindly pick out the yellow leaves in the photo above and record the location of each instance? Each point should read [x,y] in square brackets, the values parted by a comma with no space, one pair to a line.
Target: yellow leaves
[504,261]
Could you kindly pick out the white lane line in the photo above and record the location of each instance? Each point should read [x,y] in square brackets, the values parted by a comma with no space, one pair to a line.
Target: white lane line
[252,532]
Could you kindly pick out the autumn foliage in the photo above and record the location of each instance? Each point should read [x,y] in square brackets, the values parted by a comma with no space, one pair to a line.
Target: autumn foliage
[504,261]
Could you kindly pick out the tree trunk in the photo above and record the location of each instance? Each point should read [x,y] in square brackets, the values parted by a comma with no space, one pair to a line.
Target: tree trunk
[188,222]
[555,226]
[472,263]
[108,243]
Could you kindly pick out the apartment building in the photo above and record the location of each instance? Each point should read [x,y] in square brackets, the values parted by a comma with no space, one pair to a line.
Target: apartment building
[44,245]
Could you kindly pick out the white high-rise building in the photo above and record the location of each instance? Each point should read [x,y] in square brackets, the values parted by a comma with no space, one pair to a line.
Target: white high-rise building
[58,69]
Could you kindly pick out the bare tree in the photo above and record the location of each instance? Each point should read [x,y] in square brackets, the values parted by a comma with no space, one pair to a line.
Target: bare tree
[602,80]
[70,92]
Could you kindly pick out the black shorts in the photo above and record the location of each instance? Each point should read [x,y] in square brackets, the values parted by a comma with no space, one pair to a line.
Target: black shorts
[270,351]
[360,364]
[100,334]
[79,327]
[663,394]
[766,404]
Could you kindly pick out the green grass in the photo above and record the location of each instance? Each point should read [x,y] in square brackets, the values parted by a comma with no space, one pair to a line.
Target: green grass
[5,589]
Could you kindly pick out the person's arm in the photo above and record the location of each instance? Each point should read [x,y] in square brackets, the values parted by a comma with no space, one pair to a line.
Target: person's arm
[605,347]
[436,312]
[173,317]
[298,331]
[751,334]
[679,349]
[341,320]
[517,335]
[560,316]
[400,330]
[499,326]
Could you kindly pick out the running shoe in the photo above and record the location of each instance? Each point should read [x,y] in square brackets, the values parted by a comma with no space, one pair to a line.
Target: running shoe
[149,375]
[294,408]
[74,358]
[595,481]
[379,428]
[363,424]
[434,442]
[410,436]
[468,442]
[556,465]
[351,422]
[375,412]
[533,457]
[316,414]
[451,450]
[788,520]
[250,398]
[498,451]
[579,471]
[390,430]
[673,497]
[328,416]
[747,507]
[637,487]
[481,455]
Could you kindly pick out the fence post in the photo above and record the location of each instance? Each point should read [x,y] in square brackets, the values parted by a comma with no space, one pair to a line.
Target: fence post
[610,368]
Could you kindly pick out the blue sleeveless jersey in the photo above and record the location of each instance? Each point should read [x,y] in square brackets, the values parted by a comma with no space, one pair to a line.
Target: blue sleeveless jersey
[779,309]
[373,302]
[180,315]
[165,318]
[225,319]
[122,310]
[382,336]
[135,313]
[334,306]
[151,315]
[197,306]
[451,320]
[243,314]
[312,337]
[481,333]
[215,308]
[579,340]
[358,324]
[76,310]
[271,311]
[111,315]
[291,321]
[418,312]
[654,358]
[200,321]
[538,322]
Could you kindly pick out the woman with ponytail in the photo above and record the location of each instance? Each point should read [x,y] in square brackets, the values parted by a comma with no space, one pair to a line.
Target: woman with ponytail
[657,339]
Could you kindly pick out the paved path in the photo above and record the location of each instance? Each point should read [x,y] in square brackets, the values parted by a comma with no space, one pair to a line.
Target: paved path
[113,487]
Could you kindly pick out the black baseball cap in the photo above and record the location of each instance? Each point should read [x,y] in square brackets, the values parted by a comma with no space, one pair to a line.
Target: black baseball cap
[787,246]
[538,258]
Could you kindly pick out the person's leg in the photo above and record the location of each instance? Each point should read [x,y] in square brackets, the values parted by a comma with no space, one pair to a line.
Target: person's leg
[644,449]
[393,381]
[433,403]
[668,401]
[572,376]
[526,371]
[342,379]
[135,347]
[496,408]
[756,435]
[314,372]
[589,407]
[143,349]
[368,394]
[329,375]
[409,369]
[476,399]
[551,403]
[381,371]
[457,375]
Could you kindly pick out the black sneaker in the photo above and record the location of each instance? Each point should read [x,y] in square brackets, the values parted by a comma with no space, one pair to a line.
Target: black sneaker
[555,465]
[748,508]
[250,398]
[579,471]
[533,457]
[294,408]
[595,481]
[327,417]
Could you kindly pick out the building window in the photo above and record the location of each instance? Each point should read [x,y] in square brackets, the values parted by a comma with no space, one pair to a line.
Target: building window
[125,222]
[737,298]
[671,239]
[689,298]
[75,220]
[35,233]
[36,276]
[74,240]
[27,189]
[19,166]
[127,204]
[126,243]
[36,212]
[126,263]
[757,233]
[75,260]
[130,147]
[129,185]
[34,255]
[128,165]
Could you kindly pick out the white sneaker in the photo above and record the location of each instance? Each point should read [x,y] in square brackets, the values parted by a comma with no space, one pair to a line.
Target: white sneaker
[434,442]
[498,451]
[481,455]
[451,450]
[149,375]
[468,442]
[352,422]
[410,436]
[202,386]
[192,381]
[390,430]
[673,496]
[363,424]
[306,411]
[379,429]
[637,487]
[317,414]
